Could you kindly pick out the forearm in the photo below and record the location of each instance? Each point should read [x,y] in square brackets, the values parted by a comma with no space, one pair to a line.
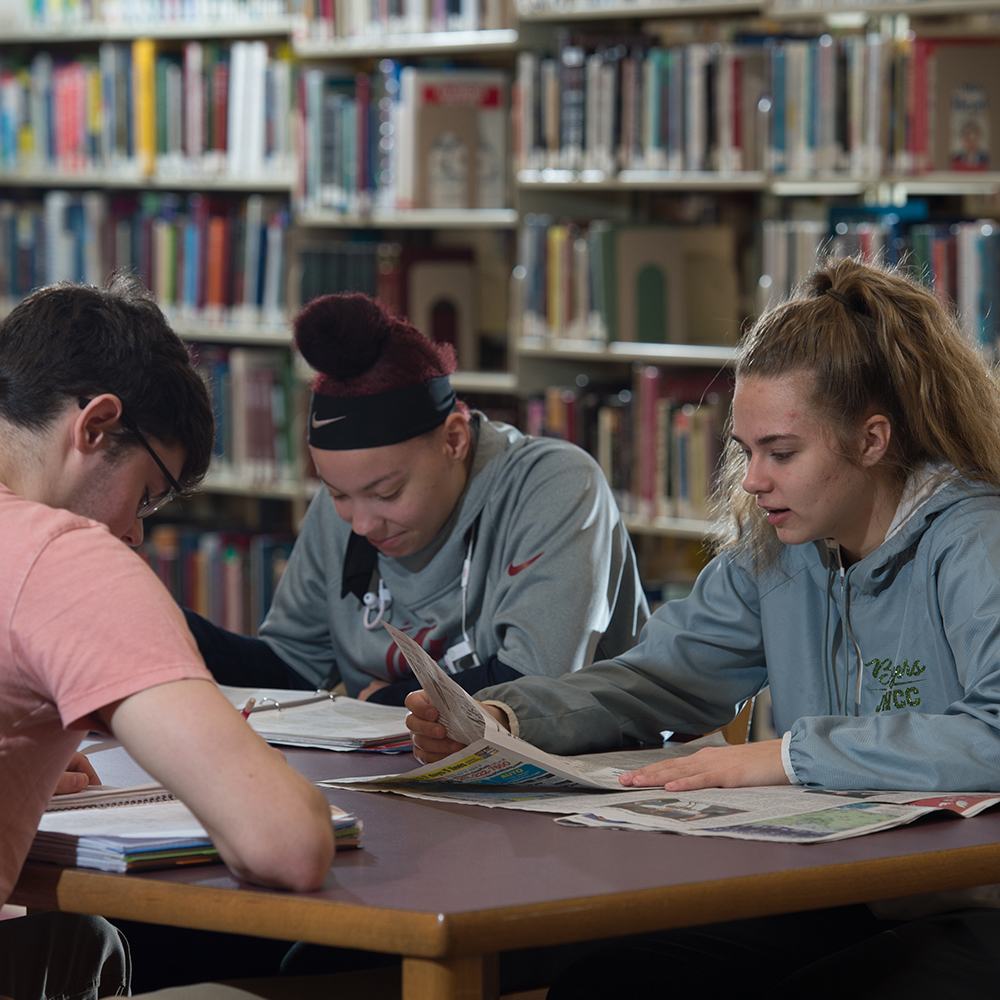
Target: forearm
[240,660]
[270,824]
[629,699]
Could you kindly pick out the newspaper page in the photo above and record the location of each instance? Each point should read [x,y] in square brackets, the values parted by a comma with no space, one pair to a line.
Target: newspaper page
[775,813]
[461,715]
[507,770]
[781,813]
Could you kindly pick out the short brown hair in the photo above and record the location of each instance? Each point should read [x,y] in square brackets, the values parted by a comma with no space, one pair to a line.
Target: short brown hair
[68,341]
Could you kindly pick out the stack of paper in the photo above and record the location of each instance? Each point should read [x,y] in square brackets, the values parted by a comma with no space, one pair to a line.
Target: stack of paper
[321,719]
[157,834]
[346,828]
[122,839]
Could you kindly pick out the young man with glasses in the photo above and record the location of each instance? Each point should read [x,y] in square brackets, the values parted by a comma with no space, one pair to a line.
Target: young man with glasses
[102,421]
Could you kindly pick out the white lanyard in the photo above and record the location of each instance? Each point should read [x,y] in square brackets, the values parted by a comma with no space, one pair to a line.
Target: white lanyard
[383,600]
[462,650]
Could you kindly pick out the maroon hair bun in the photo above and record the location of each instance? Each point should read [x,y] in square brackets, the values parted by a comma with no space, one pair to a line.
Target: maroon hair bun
[342,335]
[360,349]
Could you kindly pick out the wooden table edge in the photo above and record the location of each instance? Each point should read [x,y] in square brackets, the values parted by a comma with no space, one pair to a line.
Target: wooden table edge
[285,916]
[724,899]
[432,935]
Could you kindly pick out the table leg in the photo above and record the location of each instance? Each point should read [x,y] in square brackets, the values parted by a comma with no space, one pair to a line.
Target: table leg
[473,978]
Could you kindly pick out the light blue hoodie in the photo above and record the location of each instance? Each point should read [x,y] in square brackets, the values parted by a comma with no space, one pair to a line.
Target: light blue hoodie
[919,616]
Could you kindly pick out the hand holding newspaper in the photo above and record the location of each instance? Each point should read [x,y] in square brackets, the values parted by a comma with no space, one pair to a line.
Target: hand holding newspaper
[492,756]
[461,715]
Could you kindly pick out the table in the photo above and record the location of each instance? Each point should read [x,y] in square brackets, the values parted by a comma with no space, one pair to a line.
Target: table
[449,886]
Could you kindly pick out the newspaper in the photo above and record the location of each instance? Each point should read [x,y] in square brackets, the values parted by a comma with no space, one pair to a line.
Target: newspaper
[461,715]
[800,815]
[501,771]
[493,757]
[523,771]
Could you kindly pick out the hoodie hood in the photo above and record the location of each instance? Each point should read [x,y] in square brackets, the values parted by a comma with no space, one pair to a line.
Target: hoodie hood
[929,493]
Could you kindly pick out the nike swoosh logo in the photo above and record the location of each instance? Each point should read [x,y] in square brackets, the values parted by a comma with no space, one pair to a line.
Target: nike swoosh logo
[330,420]
[514,570]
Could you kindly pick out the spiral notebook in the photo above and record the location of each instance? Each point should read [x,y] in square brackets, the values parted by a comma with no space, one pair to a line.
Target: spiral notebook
[104,796]
[322,719]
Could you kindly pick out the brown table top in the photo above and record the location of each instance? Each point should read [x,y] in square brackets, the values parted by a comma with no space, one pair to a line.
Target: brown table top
[444,881]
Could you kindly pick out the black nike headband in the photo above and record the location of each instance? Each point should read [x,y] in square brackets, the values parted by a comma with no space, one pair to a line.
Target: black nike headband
[344,423]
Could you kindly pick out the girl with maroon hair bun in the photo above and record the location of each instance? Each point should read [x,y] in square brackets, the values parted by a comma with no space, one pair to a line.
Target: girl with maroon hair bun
[499,553]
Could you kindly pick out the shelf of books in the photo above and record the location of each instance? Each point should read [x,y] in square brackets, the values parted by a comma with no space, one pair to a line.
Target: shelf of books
[653,172]
[655,431]
[812,114]
[201,116]
[714,166]
[227,576]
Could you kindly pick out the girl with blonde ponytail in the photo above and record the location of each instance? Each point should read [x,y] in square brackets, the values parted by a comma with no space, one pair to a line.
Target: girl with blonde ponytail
[873,340]
[857,576]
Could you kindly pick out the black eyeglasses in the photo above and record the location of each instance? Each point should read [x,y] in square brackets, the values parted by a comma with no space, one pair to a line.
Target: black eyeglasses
[147,505]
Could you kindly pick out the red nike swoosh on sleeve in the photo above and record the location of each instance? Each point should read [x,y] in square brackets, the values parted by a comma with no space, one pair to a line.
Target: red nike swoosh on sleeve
[514,570]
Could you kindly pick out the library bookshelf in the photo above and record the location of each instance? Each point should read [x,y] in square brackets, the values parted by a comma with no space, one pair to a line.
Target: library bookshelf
[804,188]
[862,197]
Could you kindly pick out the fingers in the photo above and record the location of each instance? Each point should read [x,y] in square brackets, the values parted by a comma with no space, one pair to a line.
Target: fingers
[79,774]
[430,739]
[81,763]
[71,781]
[420,705]
[714,767]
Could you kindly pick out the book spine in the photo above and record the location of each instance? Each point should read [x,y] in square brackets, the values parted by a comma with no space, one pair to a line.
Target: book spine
[144,103]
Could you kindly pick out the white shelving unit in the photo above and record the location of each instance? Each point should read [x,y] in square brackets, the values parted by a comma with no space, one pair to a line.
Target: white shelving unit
[83,32]
[415,218]
[431,43]
[268,184]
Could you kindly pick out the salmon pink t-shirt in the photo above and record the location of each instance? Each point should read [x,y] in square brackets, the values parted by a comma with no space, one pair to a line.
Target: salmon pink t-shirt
[83,623]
